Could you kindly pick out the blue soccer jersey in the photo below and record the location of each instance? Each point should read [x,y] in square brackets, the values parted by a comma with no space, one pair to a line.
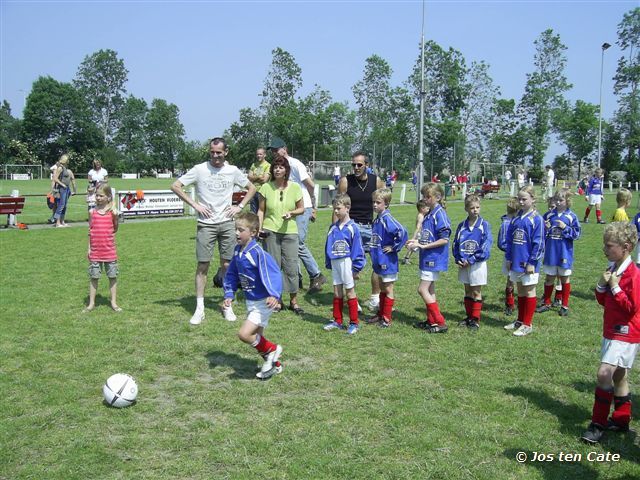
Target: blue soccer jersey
[472,242]
[558,250]
[345,242]
[525,241]
[386,231]
[595,186]
[505,221]
[435,226]
[253,270]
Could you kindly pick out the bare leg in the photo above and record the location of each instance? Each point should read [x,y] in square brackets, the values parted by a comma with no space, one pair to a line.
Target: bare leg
[93,288]
[113,287]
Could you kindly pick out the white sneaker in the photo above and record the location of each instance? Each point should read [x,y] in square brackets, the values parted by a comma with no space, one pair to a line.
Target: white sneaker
[523,330]
[272,357]
[513,325]
[265,376]
[197,318]
[228,314]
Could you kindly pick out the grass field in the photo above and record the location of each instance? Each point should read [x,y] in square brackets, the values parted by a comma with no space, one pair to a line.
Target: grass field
[394,403]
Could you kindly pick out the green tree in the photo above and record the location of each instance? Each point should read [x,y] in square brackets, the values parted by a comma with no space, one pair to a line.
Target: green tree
[9,131]
[57,120]
[131,138]
[281,85]
[503,127]
[544,92]
[612,146]
[577,128]
[165,135]
[246,135]
[101,80]
[192,153]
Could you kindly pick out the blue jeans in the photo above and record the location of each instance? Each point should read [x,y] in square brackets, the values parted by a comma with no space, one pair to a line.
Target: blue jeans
[61,210]
[310,264]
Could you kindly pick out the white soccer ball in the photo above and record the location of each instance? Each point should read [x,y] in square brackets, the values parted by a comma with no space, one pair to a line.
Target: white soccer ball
[120,390]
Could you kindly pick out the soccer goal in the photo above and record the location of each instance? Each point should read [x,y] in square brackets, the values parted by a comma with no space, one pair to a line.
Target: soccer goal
[21,172]
[324,170]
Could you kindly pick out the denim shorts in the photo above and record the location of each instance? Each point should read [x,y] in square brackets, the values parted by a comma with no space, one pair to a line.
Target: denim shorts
[110,268]
[365,233]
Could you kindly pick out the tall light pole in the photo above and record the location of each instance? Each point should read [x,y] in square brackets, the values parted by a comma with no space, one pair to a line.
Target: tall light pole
[422,95]
[605,45]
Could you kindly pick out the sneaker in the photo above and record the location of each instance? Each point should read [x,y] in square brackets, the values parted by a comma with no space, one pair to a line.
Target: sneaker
[197,318]
[374,304]
[601,222]
[372,320]
[353,329]
[508,310]
[585,220]
[513,325]
[384,324]
[437,328]
[615,427]
[464,323]
[543,308]
[556,302]
[272,357]
[593,434]
[523,330]
[474,325]
[563,312]
[317,282]
[227,313]
[266,376]
[333,326]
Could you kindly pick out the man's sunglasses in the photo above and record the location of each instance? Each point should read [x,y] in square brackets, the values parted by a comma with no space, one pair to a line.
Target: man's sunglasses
[358,165]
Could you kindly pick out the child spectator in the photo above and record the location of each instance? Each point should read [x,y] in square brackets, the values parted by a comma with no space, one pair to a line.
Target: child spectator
[471,250]
[344,255]
[618,291]
[636,222]
[512,209]
[258,274]
[434,255]
[525,247]
[594,195]
[91,199]
[561,229]
[103,225]
[623,199]
[421,205]
[388,237]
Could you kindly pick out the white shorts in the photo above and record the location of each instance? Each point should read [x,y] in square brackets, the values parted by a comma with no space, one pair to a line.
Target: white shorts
[505,270]
[595,199]
[557,271]
[429,276]
[342,272]
[258,313]
[618,353]
[388,278]
[524,278]
[473,275]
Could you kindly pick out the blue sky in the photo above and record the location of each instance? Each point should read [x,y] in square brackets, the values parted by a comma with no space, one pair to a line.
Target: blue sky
[210,58]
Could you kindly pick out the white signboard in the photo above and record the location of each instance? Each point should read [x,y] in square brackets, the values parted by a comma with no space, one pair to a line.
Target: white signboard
[163,175]
[129,176]
[20,176]
[149,203]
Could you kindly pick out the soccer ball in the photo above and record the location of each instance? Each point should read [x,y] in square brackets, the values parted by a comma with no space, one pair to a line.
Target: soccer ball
[120,390]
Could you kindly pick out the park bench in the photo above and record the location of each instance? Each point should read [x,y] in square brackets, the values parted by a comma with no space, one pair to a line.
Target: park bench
[488,190]
[11,206]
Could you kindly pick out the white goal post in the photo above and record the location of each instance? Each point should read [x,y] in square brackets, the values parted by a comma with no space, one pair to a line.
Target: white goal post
[21,172]
[323,170]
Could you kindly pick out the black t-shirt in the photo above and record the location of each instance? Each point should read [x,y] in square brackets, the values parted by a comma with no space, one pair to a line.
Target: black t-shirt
[361,201]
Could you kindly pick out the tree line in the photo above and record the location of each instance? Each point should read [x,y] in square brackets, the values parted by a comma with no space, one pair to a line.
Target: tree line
[466,118]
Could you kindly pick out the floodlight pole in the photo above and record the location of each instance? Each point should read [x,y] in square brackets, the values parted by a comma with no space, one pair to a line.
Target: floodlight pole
[605,45]
[422,95]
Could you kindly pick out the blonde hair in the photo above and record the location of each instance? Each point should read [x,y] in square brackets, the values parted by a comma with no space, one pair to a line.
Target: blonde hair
[565,194]
[623,197]
[342,199]
[251,220]
[434,189]
[471,198]
[64,159]
[383,194]
[529,190]
[512,206]
[621,233]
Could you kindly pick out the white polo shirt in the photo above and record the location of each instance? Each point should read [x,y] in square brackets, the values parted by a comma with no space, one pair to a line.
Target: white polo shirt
[299,174]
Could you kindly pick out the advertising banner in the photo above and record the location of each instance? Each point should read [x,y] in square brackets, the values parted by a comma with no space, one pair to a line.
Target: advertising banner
[149,203]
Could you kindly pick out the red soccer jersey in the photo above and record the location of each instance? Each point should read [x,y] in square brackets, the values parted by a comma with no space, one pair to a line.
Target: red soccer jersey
[622,305]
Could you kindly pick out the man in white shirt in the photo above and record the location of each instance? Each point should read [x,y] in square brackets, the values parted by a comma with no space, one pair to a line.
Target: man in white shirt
[551,177]
[214,181]
[507,180]
[300,175]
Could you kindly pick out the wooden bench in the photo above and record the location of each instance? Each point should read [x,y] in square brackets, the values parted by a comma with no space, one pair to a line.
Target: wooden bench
[11,206]
[489,190]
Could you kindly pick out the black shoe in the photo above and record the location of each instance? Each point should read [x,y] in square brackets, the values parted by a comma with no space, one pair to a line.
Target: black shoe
[593,434]
[373,320]
[51,221]
[421,325]
[585,220]
[405,261]
[614,427]
[556,303]
[437,329]
[543,308]
[317,282]
[563,312]
[601,222]
[464,323]
[508,310]
[474,325]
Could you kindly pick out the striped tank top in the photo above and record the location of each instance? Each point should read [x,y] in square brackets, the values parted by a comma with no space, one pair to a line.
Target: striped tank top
[102,245]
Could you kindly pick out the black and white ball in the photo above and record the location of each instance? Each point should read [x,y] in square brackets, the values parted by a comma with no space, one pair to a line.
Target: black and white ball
[120,390]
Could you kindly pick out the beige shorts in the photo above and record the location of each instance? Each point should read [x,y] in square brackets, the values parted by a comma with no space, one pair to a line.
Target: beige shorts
[618,353]
[110,269]
[207,235]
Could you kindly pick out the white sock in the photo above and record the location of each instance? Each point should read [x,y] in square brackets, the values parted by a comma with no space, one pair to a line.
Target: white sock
[375,298]
[199,303]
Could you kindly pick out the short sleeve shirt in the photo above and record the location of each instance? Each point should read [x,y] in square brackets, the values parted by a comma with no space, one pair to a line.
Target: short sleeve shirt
[214,188]
[299,174]
[259,169]
[98,175]
[275,208]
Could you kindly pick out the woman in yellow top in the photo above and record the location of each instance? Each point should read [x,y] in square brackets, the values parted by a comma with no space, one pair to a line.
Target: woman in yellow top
[280,202]
[623,199]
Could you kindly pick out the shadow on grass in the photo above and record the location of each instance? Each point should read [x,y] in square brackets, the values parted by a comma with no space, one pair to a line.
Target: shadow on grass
[588,295]
[243,368]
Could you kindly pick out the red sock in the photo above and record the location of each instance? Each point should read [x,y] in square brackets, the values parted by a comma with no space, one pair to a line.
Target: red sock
[601,406]
[387,309]
[467,306]
[382,296]
[522,305]
[353,310]
[548,290]
[587,212]
[509,301]
[528,309]
[566,292]
[621,410]
[599,214]
[436,316]
[476,308]
[338,303]
[430,320]
[264,345]
[559,293]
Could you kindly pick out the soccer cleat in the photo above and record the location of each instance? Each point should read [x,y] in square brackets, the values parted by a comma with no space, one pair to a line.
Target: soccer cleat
[585,220]
[523,330]
[227,313]
[316,283]
[614,427]
[406,261]
[266,376]
[556,302]
[333,326]
[464,323]
[563,312]
[513,325]
[601,222]
[372,320]
[271,359]
[437,328]
[421,325]
[197,318]
[508,310]
[384,324]
[543,308]
[593,434]
[353,329]
[473,325]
